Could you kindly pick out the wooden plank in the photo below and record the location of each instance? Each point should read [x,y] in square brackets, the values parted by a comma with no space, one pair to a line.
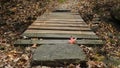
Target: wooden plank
[62,22]
[63,13]
[58,28]
[60,32]
[90,42]
[59,24]
[60,15]
[80,36]
[56,17]
[62,19]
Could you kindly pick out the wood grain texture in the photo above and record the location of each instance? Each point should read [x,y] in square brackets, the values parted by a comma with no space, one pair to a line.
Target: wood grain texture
[58,28]
[60,32]
[60,24]
[53,35]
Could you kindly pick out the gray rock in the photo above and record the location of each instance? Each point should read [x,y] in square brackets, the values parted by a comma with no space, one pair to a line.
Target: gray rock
[60,52]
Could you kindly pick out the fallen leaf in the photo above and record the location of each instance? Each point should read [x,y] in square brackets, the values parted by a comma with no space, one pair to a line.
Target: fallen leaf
[72,40]
[34,45]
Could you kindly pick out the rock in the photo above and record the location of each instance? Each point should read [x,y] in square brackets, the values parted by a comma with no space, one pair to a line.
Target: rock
[115,12]
[58,53]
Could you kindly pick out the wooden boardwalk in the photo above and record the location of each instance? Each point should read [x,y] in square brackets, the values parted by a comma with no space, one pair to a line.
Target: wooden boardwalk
[58,27]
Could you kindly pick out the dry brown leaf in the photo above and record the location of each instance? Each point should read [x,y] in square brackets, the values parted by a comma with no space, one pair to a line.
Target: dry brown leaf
[34,45]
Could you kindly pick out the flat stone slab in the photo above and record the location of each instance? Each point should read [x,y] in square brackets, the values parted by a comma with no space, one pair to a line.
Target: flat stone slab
[58,53]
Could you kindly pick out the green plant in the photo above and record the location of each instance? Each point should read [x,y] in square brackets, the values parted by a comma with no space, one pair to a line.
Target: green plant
[61,1]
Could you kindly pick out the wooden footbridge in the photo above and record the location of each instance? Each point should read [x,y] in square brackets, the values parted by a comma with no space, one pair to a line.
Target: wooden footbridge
[57,28]
[52,33]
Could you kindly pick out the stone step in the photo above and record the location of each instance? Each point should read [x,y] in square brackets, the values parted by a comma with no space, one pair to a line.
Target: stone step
[57,54]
